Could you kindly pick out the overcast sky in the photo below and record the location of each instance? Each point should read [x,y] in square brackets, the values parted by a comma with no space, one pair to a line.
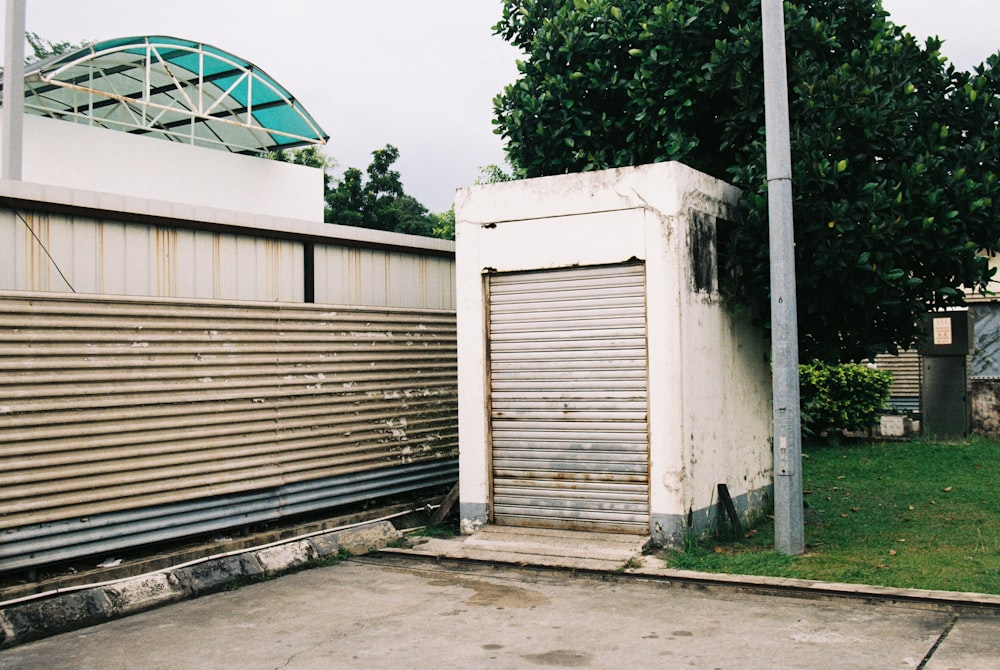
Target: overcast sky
[418,74]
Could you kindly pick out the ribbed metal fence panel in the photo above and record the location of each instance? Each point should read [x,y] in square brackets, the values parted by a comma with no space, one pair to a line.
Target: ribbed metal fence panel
[568,398]
[904,391]
[80,254]
[29,546]
[380,277]
[114,404]
[48,251]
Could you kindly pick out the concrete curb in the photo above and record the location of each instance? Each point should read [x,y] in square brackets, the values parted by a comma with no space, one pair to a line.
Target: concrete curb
[952,600]
[36,617]
[649,567]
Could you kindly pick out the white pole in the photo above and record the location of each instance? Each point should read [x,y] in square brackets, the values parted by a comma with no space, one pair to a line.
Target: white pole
[789,534]
[12,112]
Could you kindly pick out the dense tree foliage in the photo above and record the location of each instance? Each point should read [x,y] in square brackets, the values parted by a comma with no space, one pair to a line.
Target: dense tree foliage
[894,151]
[376,199]
[42,48]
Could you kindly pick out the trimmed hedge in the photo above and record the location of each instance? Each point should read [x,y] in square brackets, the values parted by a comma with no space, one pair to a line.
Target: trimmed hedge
[841,397]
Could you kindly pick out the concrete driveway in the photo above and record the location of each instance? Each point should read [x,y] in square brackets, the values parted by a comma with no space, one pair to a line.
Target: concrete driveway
[396,613]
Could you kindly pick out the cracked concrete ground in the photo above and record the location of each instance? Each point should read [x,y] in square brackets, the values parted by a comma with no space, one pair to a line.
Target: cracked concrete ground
[389,613]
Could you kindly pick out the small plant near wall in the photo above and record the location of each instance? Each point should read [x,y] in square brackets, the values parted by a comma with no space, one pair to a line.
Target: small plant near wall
[841,397]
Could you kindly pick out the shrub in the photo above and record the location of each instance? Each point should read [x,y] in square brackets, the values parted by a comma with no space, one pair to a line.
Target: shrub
[840,397]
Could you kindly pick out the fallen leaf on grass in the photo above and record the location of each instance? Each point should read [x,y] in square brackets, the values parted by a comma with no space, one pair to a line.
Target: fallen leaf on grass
[845,515]
[948,489]
[910,507]
[892,552]
[855,509]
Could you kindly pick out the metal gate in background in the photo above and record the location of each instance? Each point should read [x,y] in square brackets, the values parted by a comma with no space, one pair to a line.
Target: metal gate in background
[944,374]
[568,398]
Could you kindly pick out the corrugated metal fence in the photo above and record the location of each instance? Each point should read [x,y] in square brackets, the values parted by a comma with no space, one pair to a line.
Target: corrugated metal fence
[91,252]
[195,387]
[133,411]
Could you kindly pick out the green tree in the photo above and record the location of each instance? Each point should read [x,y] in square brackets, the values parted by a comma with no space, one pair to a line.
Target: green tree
[493,174]
[42,48]
[444,224]
[894,151]
[346,202]
[376,199]
[310,156]
[368,199]
[414,218]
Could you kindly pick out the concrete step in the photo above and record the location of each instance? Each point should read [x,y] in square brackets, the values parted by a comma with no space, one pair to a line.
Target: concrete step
[539,546]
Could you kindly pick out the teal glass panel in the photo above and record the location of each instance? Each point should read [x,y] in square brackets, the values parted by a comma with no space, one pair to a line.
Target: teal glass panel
[263,94]
[284,119]
[120,42]
[214,66]
[183,59]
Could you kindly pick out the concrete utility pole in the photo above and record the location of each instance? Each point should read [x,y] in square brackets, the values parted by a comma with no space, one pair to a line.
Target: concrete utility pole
[12,113]
[789,534]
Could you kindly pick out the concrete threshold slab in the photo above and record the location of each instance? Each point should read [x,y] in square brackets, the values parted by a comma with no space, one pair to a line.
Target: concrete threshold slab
[536,546]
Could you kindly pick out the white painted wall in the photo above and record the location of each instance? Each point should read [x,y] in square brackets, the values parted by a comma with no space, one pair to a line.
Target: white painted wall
[709,391]
[109,161]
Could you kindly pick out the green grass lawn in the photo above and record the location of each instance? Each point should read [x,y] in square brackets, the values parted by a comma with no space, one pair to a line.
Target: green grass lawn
[907,514]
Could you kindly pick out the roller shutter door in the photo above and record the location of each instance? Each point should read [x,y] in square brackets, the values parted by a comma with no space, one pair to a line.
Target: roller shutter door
[568,398]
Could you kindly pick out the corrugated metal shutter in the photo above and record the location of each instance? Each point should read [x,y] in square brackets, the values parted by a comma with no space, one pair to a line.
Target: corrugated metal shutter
[904,392]
[568,398]
[111,404]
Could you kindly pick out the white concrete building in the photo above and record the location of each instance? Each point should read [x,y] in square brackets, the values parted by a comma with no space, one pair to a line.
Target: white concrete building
[602,383]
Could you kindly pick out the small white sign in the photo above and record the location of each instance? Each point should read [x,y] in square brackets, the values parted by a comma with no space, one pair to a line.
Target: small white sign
[942,330]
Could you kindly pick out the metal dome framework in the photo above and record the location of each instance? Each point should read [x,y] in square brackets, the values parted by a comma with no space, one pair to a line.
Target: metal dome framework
[172,89]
